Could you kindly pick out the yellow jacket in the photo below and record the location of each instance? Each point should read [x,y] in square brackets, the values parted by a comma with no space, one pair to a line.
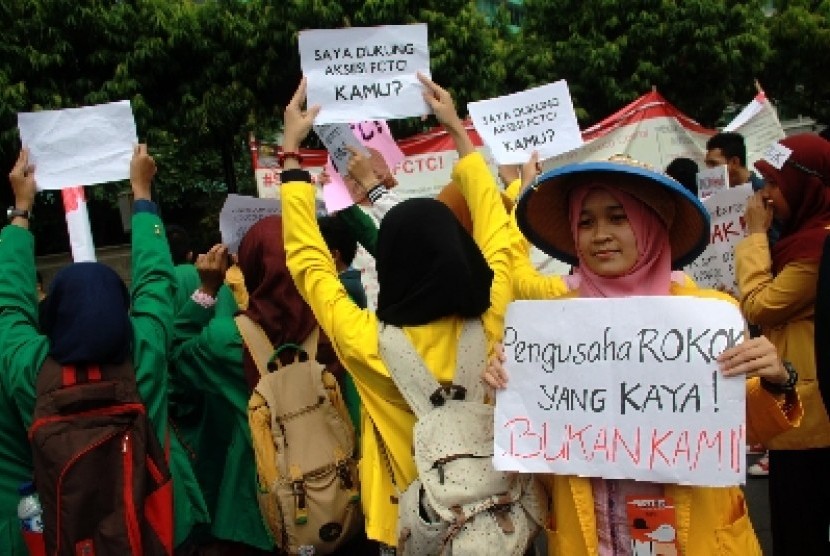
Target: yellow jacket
[783,307]
[710,521]
[528,283]
[354,333]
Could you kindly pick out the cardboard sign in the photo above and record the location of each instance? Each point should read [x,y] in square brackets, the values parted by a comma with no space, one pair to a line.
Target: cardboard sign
[540,119]
[715,267]
[624,388]
[365,72]
[712,180]
[79,146]
[239,213]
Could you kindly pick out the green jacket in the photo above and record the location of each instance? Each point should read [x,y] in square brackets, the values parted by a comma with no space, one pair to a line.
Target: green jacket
[23,350]
[208,357]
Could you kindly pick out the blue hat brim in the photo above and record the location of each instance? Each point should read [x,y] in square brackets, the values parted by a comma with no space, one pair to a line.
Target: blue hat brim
[543,217]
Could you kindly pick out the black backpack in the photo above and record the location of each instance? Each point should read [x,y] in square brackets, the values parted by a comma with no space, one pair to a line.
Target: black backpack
[101,474]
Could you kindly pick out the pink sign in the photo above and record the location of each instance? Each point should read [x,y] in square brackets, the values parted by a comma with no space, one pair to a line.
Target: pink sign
[376,136]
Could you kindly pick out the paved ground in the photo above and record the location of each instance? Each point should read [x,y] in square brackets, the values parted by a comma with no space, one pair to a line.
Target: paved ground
[756,498]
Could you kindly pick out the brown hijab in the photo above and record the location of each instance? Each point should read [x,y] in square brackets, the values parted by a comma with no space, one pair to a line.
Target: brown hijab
[274,304]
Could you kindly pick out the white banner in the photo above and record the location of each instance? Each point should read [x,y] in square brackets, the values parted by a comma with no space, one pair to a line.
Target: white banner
[540,119]
[365,73]
[654,141]
[80,146]
[715,267]
[624,388]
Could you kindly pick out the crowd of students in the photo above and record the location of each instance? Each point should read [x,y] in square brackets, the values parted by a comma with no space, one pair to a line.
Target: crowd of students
[441,264]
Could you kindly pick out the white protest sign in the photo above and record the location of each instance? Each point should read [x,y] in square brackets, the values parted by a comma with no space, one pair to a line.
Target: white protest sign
[715,267]
[711,180]
[362,73]
[79,146]
[758,123]
[239,213]
[541,119]
[623,388]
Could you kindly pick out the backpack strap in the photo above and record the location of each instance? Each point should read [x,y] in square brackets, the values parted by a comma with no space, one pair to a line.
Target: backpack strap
[471,360]
[259,346]
[417,384]
[262,350]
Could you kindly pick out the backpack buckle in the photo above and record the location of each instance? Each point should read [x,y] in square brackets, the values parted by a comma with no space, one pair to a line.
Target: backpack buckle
[444,393]
[300,509]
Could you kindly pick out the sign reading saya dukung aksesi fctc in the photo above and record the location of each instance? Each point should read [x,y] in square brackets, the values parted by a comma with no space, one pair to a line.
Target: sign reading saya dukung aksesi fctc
[622,388]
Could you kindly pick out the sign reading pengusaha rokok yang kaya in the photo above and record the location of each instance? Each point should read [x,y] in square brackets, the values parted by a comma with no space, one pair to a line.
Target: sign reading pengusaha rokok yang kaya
[365,73]
[540,119]
[624,388]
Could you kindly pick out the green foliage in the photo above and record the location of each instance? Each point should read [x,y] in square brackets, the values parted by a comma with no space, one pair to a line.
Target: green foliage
[797,74]
[700,54]
[203,75]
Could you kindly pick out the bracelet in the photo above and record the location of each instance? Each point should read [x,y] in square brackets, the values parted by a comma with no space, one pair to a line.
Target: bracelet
[290,154]
[201,298]
[376,192]
[787,386]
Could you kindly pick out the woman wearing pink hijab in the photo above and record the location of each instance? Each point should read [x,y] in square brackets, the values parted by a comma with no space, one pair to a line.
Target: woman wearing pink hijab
[624,227]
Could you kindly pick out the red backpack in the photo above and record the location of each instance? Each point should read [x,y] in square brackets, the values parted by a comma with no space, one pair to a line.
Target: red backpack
[101,474]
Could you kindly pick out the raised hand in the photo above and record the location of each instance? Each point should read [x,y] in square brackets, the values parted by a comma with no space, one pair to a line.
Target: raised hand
[297,120]
[142,170]
[212,267]
[22,180]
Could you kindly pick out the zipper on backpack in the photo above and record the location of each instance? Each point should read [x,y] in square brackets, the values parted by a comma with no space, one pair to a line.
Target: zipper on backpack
[68,465]
[131,519]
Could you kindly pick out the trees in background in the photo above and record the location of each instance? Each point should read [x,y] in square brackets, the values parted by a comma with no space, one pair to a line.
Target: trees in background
[700,54]
[796,74]
[202,75]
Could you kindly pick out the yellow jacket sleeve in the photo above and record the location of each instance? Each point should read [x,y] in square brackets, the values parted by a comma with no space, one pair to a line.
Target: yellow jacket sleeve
[528,283]
[513,189]
[490,232]
[768,301]
[766,416]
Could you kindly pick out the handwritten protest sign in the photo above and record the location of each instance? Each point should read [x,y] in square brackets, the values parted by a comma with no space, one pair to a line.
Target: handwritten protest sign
[711,180]
[715,267]
[758,123]
[622,388]
[239,213]
[541,119]
[80,146]
[365,72]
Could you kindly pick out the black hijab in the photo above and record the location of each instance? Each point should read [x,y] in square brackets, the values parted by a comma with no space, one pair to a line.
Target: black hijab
[428,266]
[86,315]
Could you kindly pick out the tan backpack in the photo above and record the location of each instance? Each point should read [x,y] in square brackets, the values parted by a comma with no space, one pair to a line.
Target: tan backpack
[459,504]
[304,445]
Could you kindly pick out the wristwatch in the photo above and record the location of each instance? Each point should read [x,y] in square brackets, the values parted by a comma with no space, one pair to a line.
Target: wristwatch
[788,386]
[13,212]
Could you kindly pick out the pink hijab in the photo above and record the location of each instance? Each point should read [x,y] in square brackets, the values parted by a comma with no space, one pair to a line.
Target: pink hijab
[651,273]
